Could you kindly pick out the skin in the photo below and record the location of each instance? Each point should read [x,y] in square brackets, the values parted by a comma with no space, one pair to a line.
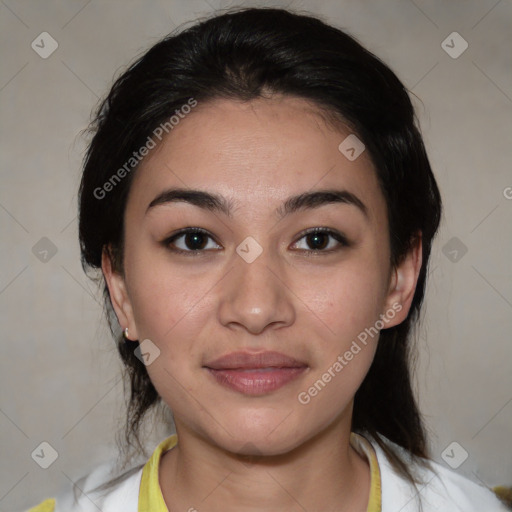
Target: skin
[197,308]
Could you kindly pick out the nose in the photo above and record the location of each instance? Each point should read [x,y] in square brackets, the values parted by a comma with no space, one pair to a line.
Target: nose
[257,296]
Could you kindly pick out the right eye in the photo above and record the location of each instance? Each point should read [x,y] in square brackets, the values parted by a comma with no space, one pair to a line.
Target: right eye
[193,241]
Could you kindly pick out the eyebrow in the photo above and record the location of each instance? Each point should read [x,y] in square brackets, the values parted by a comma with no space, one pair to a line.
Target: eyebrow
[217,203]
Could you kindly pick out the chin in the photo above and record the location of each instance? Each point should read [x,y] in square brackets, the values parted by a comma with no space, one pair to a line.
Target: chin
[265,433]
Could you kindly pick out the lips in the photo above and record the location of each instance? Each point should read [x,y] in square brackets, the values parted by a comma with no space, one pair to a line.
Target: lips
[248,360]
[255,373]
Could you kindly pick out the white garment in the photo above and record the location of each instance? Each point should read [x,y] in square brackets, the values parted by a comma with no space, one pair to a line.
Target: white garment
[123,497]
[444,491]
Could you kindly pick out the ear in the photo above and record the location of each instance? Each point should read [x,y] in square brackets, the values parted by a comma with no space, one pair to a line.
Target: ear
[118,294]
[402,283]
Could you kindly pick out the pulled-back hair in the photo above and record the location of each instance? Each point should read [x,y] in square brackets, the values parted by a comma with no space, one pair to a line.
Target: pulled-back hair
[243,55]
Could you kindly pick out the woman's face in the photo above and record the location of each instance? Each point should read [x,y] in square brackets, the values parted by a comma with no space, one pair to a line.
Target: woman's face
[254,281]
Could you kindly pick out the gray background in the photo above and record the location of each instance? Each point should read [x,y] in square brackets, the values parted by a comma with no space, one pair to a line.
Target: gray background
[60,375]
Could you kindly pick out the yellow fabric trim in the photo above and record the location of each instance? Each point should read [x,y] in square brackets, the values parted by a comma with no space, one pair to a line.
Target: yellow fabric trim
[363,446]
[150,494]
[152,500]
[504,494]
[45,506]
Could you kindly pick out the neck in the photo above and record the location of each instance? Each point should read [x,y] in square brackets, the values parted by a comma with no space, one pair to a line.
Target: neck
[324,473]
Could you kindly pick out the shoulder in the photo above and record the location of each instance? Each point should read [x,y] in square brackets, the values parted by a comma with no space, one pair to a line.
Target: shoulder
[89,494]
[441,488]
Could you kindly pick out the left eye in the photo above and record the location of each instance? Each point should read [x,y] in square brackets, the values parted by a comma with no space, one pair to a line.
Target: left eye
[318,240]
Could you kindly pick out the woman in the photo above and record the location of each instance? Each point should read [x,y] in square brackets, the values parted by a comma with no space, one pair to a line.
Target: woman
[259,200]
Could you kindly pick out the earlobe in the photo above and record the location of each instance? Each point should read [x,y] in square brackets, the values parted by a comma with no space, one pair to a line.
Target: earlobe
[118,294]
[403,282]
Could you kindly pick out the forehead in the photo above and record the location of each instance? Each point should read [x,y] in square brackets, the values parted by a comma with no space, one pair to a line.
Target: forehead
[256,154]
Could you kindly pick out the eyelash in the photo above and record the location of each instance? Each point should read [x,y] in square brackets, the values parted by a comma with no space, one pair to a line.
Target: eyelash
[341,239]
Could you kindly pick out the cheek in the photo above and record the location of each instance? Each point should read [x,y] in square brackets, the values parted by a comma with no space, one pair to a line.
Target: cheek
[346,340]
[347,300]
[165,299]
[170,309]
